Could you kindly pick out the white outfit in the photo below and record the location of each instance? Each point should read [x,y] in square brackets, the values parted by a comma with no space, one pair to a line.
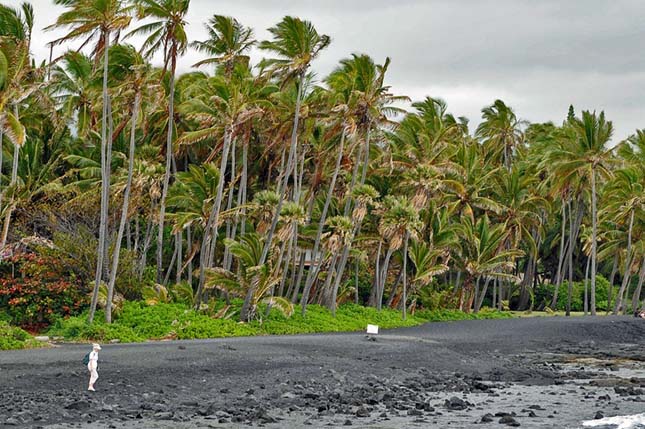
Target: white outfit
[93,366]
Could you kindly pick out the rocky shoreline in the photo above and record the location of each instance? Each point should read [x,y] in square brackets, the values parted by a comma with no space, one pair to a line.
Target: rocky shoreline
[438,375]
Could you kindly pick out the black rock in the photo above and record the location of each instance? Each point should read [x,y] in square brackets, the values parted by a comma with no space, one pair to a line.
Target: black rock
[487,418]
[362,412]
[532,414]
[348,422]
[455,403]
[508,420]
[599,415]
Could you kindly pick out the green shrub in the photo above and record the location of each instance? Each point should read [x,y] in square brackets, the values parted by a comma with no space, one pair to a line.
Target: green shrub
[12,338]
[544,294]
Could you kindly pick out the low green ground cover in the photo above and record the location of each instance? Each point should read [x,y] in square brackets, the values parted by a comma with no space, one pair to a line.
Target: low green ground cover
[12,338]
[140,322]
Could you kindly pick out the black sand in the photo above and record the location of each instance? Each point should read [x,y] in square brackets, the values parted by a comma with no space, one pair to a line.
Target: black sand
[536,372]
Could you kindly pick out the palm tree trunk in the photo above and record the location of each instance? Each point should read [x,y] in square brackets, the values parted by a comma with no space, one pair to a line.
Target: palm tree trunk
[574,227]
[377,276]
[612,276]
[124,213]
[395,288]
[405,274]
[383,278]
[639,287]
[104,184]
[628,264]
[356,283]
[189,246]
[12,184]
[586,294]
[229,205]
[558,276]
[1,151]
[175,251]
[179,239]
[147,239]
[213,218]
[313,273]
[594,239]
[166,177]
[283,186]
[480,302]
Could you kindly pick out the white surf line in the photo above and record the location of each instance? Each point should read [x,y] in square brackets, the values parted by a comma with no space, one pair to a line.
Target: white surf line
[620,422]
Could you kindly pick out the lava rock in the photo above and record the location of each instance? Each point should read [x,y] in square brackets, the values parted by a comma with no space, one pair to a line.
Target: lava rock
[455,404]
[508,420]
[487,418]
[362,412]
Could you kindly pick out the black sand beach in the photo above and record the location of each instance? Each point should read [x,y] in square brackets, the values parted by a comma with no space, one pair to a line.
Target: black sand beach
[534,372]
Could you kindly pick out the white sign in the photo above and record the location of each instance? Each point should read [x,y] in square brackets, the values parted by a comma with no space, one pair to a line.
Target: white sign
[372,329]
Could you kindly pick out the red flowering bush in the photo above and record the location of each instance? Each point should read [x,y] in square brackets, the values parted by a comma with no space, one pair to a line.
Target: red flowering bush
[36,289]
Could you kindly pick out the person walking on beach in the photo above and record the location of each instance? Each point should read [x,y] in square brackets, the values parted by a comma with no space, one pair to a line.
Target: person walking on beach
[93,366]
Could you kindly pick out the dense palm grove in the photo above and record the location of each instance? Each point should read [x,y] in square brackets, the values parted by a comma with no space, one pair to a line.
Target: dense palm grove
[266,183]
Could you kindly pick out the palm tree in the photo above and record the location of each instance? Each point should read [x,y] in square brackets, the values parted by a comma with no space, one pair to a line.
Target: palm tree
[167,33]
[362,83]
[483,253]
[261,278]
[222,108]
[133,73]
[400,221]
[15,35]
[72,86]
[96,20]
[501,130]
[626,199]
[227,43]
[586,155]
[296,44]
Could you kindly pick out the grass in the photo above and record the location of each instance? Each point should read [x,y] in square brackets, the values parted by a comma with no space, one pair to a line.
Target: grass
[140,322]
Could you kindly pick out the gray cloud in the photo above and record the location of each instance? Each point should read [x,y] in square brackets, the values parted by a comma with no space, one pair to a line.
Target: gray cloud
[538,56]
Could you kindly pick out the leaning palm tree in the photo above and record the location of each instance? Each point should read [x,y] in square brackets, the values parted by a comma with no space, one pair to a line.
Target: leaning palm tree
[626,201]
[96,20]
[133,73]
[166,33]
[221,107]
[586,155]
[296,43]
[227,43]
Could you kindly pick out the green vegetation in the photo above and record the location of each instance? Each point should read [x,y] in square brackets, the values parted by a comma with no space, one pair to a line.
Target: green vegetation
[12,338]
[270,186]
[140,322]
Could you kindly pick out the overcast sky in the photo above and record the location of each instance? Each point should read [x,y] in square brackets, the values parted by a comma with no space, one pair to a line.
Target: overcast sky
[538,56]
